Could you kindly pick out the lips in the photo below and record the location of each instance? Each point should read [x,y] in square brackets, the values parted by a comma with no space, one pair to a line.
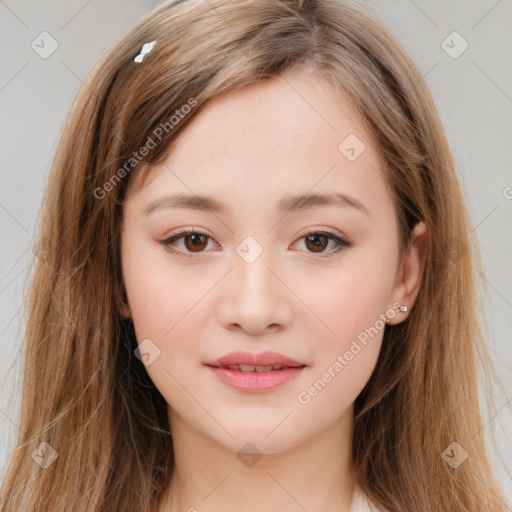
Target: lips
[248,362]
[249,372]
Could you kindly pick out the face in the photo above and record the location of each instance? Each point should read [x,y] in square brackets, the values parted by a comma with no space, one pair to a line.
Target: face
[255,270]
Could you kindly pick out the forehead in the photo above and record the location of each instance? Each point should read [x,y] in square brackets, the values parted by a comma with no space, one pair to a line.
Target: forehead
[280,113]
[290,132]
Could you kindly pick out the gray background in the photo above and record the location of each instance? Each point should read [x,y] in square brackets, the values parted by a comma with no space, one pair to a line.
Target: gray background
[473,93]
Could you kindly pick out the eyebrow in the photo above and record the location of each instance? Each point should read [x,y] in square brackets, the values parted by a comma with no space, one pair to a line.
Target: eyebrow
[286,204]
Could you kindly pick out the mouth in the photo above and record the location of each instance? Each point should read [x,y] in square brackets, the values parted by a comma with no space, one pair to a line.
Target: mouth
[247,371]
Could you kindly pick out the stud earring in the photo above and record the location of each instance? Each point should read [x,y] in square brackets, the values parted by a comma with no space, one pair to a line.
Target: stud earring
[404,309]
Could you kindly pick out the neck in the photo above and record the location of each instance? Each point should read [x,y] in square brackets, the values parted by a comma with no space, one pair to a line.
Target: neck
[208,476]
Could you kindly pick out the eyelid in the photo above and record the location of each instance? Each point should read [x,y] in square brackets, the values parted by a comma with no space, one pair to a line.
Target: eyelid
[323,231]
[186,231]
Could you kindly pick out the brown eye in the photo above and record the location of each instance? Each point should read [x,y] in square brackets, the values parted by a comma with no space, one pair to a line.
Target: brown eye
[187,242]
[195,242]
[317,242]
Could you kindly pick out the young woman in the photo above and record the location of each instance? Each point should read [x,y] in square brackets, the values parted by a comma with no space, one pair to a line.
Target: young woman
[256,288]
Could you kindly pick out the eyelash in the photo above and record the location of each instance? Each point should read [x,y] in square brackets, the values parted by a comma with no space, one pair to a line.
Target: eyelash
[340,242]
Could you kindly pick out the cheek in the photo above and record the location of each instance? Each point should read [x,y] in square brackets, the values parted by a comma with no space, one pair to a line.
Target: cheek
[348,302]
[169,306]
[160,295]
[351,307]
[166,308]
[345,358]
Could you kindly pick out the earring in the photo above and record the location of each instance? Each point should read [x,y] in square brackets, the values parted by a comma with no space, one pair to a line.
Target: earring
[404,309]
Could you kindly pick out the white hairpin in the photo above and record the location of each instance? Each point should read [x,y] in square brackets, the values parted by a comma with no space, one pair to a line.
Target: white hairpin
[146,48]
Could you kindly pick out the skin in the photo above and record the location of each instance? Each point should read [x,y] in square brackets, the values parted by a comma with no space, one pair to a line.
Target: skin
[248,149]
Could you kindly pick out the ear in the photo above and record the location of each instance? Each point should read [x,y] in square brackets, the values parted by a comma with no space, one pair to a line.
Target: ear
[125,311]
[410,272]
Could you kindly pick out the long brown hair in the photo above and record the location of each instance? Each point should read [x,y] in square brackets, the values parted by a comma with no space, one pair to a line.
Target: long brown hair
[85,393]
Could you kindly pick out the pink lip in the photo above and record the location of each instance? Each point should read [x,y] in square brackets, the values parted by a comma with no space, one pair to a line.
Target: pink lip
[255,381]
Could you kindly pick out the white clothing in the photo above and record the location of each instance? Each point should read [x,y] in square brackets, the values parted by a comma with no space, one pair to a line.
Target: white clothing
[360,503]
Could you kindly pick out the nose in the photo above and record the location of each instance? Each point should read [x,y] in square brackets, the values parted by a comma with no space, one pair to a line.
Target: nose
[254,299]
